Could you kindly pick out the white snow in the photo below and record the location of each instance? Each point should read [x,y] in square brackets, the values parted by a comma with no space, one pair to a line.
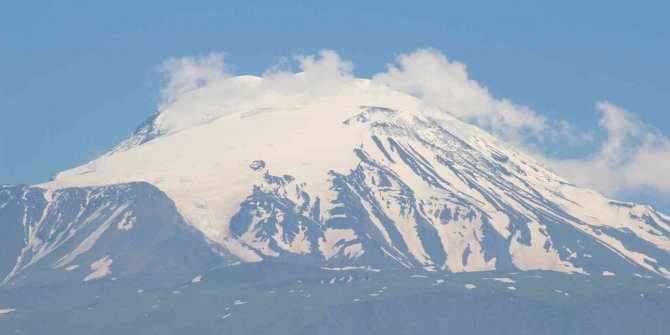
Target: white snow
[126,222]
[196,279]
[100,269]
[193,177]
[299,245]
[90,240]
[559,291]
[535,256]
[503,280]
[6,310]
[347,268]
[354,251]
[333,239]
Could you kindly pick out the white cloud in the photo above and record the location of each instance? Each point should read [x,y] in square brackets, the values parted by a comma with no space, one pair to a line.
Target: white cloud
[199,89]
[317,74]
[634,156]
[328,65]
[188,73]
[429,75]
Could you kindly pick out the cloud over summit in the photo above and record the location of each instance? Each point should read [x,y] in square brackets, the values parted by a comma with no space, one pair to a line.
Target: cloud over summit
[184,74]
[633,156]
[429,75]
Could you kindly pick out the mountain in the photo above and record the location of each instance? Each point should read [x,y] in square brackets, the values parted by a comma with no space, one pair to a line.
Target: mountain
[363,175]
[85,234]
[351,176]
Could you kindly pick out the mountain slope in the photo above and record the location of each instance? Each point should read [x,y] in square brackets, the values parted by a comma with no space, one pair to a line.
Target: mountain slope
[125,232]
[357,174]
[273,298]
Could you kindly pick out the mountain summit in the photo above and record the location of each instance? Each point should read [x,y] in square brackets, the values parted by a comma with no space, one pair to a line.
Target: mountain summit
[347,173]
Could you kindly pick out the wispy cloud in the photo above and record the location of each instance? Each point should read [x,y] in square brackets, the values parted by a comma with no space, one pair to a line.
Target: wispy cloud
[184,74]
[634,156]
[429,75]
[197,89]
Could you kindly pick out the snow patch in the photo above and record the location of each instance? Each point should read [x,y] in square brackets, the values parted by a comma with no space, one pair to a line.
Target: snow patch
[503,280]
[347,268]
[126,222]
[333,241]
[90,240]
[100,269]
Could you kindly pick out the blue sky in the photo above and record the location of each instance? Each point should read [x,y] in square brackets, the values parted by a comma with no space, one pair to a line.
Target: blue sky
[76,77]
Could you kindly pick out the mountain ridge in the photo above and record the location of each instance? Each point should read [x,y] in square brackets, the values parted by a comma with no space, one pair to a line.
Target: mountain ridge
[358,174]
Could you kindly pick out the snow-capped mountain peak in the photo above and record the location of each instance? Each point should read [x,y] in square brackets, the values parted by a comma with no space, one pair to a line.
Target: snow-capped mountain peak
[354,173]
